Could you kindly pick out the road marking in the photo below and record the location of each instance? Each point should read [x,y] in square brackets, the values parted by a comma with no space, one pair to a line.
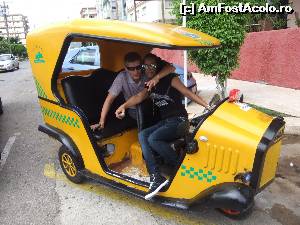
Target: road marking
[7,149]
[155,209]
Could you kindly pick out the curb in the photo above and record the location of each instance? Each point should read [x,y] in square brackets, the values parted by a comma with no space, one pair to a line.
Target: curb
[292,126]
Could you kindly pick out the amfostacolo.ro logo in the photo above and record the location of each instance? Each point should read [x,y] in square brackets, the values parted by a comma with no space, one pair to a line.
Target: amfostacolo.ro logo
[39,58]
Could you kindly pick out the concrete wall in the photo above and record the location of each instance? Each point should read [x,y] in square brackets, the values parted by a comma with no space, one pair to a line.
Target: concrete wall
[271,57]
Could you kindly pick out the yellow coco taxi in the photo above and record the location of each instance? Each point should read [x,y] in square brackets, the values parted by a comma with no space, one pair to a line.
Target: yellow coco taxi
[230,155]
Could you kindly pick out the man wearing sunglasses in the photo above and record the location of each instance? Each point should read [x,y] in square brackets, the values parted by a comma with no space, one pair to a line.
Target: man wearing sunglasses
[130,82]
[167,99]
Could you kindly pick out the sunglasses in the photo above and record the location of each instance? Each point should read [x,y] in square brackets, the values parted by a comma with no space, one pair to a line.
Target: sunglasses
[132,68]
[150,66]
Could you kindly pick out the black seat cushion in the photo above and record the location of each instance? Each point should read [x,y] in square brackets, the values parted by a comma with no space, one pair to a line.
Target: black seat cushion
[147,114]
[89,93]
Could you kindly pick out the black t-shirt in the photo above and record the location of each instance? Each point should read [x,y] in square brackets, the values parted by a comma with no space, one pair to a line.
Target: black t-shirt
[167,99]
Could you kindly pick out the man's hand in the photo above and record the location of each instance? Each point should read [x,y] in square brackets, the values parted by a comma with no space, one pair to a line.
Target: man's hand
[120,112]
[97,126]
[151,83]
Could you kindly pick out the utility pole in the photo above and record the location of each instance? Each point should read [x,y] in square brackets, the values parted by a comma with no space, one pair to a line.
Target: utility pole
[185,58]
[4,9]
[123,2]
[135,17]
[163,11]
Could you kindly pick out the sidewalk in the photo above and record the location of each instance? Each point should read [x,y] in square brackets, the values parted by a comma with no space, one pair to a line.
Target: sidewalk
[283,100]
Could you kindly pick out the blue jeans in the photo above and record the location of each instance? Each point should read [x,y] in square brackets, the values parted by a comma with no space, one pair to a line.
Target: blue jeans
[156,139]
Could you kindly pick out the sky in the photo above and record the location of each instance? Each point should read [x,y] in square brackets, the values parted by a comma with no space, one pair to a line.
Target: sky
[43,12]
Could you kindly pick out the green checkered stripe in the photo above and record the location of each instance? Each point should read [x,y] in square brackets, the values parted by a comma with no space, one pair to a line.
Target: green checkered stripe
[199,174]
[39,89]
[60,117]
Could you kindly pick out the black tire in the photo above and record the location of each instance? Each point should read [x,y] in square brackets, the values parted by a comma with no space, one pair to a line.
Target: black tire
[70,165]
[237,215]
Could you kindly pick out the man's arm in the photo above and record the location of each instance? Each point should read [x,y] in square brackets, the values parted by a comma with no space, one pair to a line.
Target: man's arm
[113,92]
[132,101]
[105,109]
[167,69]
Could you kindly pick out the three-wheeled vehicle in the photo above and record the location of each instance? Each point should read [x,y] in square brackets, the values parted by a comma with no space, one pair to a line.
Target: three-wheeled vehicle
[230,155]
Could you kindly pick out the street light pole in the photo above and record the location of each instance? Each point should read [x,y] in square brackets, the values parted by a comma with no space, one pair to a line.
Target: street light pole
[184,57]
[163,10]
[135,16]
[4,11]
[123,2]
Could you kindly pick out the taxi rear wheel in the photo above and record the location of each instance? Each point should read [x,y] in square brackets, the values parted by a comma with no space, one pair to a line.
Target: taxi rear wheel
[236,214]
[70,165]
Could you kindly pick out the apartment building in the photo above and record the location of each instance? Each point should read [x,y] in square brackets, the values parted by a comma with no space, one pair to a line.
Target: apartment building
[294,19]
[16,25]
[110,9]
[150,11]
[88,12]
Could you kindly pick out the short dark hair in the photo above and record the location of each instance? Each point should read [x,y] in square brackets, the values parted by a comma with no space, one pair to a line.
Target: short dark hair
[132,57]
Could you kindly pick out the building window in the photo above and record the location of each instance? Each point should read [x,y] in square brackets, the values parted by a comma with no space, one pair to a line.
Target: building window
[143,13]
[168,4]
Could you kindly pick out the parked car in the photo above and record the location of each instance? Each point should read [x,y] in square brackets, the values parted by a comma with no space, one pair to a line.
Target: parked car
[83,58]
[8,62]
[191,82]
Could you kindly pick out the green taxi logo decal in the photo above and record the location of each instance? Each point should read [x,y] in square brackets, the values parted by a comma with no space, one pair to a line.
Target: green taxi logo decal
[39,58]
[39,89]
[199,174]
[61,117]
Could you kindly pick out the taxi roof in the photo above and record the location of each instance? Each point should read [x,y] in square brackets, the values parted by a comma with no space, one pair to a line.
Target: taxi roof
[154,34]
[48,46]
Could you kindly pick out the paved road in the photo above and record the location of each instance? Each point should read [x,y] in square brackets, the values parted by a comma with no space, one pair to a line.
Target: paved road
[33,189]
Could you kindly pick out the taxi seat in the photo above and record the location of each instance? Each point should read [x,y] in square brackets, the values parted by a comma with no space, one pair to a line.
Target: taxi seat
[89,93]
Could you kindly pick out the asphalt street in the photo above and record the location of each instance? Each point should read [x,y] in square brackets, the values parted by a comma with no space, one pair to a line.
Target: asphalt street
[33,189]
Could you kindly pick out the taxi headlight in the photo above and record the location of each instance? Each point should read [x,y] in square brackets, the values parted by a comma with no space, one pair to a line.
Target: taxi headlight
[244,177]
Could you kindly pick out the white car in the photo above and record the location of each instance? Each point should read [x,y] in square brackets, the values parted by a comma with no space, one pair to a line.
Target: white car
[191,82]
[83,58]
[8,62]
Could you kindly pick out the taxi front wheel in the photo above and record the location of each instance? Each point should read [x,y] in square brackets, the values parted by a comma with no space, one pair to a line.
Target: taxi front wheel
[70,165]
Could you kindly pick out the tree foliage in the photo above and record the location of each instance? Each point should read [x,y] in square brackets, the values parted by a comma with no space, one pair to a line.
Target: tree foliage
[12,45]
[230,29]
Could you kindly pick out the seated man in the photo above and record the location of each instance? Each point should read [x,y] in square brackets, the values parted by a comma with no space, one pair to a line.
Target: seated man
[167,96]
[130,81]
